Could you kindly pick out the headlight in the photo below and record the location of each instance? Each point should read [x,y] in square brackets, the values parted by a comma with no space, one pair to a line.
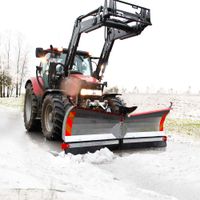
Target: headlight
[89,92]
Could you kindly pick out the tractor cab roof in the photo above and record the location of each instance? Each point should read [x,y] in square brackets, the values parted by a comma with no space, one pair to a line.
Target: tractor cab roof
[40,52]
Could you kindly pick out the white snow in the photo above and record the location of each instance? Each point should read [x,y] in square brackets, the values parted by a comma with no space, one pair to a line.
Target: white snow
[184,106]
[28,169]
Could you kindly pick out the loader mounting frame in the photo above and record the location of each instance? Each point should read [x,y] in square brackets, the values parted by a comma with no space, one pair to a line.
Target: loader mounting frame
[119,24]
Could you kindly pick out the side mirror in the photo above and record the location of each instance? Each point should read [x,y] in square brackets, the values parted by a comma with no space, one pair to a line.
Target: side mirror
[39,52]
[39,69]
[105,84]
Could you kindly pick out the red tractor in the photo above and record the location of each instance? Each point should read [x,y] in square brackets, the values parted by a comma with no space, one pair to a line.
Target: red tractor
[67,99]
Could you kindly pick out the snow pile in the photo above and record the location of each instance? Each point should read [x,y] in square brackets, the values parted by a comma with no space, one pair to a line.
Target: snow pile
[101,156]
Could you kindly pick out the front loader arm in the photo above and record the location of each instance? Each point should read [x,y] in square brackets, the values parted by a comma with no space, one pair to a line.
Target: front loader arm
[119,24]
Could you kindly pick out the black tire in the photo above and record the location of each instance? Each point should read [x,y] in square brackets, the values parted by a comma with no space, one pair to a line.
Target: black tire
[52,117]
[114,103]
[30,110]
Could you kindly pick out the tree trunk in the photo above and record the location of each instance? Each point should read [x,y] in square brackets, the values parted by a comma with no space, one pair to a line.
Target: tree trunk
[8,91]
[18,60]
[4,91]
[1,91]
[11,91]
[17,89]
[22,73]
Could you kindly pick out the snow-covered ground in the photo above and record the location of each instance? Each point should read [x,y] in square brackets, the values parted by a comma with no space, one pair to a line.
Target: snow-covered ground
[184,106]
[29,168]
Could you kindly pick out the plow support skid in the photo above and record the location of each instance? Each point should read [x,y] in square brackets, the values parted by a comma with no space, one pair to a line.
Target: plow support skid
[88,130]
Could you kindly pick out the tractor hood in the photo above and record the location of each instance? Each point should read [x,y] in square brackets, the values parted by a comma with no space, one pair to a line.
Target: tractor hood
[74,83]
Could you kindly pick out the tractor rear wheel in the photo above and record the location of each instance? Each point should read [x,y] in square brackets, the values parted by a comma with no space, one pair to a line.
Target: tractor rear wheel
[30,110]
[52,117]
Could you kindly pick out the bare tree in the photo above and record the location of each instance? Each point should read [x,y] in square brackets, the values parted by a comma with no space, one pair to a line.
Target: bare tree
[13,64]
[8,58]
[18,63]
[21,63]
[1,84]
[1,69]
[5,83]
[23,71]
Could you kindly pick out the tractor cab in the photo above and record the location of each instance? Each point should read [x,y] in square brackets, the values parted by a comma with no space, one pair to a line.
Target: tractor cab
[52,66]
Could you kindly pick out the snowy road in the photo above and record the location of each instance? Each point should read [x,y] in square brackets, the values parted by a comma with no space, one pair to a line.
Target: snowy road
[29,171]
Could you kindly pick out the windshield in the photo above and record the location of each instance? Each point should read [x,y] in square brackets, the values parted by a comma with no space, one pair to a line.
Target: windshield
[82,64]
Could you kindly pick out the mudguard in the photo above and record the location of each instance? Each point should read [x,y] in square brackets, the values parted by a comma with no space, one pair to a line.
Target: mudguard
[38,91]
[86,129]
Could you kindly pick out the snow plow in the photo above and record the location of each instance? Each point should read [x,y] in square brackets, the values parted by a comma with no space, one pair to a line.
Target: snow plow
[85,130]
[67,99]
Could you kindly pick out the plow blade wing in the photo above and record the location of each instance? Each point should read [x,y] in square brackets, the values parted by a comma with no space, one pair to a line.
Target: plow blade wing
[146,128]
[88,130]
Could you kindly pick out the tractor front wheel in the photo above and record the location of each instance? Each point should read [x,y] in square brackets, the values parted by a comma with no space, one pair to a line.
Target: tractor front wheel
[52,117]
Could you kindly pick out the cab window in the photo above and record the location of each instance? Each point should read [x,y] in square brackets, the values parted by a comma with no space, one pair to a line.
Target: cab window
[82,64]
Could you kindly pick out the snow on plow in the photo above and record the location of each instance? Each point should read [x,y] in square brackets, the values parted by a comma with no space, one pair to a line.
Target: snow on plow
[89,130]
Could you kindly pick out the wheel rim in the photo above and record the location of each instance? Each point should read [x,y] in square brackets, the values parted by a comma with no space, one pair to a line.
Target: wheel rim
[48,118]
[28,107]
